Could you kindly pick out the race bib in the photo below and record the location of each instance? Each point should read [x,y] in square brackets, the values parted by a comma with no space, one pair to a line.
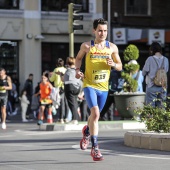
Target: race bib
[100,76]
[45,101]
[2,90]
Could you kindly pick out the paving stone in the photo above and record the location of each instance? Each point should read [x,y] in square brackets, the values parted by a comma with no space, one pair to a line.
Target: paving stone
[145,141]
[136,140]
[166,143]
[128,139]
[155,142]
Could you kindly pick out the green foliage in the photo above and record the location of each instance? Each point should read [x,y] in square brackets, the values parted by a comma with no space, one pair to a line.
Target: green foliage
[131,68]
[131,53]
[156,119]
[132,84]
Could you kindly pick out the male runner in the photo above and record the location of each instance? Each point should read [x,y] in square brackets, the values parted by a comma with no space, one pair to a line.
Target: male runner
[100,56]
[5,85]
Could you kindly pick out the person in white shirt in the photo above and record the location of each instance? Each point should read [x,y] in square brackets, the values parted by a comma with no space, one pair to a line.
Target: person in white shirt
[24,105]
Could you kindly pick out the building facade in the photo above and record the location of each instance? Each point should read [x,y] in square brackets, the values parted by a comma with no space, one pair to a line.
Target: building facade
[34,33]
[139,22]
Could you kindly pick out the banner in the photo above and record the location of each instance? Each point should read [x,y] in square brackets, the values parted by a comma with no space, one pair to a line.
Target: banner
[119,36]
[134,34]
[156,35]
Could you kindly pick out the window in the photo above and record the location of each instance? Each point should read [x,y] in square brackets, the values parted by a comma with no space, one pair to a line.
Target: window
[62,6]
[137,8]
[9,56]
[9,4]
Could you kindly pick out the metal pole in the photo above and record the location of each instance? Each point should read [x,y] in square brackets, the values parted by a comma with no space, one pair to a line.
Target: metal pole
[71,44]
[109,19]
[71,30]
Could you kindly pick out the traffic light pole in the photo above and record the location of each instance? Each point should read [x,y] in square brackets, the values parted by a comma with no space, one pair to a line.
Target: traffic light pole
[73,9]
[71,31]
[71,44]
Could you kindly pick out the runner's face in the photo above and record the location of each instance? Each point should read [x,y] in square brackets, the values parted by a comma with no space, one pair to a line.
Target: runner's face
[44,79]
[101,32]
[2,73]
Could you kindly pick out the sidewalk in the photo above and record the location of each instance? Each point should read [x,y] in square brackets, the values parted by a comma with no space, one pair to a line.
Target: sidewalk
[103,125]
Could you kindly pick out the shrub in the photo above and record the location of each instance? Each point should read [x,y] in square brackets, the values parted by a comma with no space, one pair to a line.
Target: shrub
[131,53]
[156,119]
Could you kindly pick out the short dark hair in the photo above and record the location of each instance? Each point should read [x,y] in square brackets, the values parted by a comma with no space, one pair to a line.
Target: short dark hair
[60,62]
[46,75]
[154,48]
[30,74]
[99,21]
[1,68]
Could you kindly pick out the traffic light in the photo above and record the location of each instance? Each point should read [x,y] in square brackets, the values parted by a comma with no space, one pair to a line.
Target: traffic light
[73,17]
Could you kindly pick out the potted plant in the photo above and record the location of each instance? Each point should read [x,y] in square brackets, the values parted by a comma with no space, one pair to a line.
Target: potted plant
[128,99]
[157,128]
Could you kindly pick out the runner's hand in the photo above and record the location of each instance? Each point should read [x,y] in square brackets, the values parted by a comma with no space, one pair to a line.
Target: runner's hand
[110,62]
[79,74]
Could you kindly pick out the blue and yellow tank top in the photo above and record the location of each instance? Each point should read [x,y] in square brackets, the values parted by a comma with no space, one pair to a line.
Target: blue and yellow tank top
[97,71]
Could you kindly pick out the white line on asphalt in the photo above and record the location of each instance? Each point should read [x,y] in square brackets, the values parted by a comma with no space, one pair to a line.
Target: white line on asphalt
[6,136]
[121,154]
[27,132]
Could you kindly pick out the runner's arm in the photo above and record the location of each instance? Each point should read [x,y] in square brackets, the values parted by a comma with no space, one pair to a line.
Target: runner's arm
[78,61]
[9,87]
[116,64]
[80,56]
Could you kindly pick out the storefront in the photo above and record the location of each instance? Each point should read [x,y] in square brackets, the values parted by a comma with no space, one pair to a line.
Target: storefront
[52,51]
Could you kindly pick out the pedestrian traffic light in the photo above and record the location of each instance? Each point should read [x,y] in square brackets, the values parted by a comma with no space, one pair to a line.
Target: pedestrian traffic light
[73,17]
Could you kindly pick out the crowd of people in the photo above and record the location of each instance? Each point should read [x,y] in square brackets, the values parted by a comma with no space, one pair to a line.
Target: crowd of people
[87,95]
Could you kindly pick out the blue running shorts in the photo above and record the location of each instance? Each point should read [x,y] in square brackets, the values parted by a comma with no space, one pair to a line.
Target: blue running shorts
[95,97]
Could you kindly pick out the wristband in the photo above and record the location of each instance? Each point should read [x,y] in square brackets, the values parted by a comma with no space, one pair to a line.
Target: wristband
[114,65]
[77,68]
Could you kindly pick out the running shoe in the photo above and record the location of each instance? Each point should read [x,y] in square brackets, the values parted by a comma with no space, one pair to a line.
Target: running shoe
[84,143]
[40,122]
[3,126]
[24,120]
[73,122]
[61,121]
[96,154]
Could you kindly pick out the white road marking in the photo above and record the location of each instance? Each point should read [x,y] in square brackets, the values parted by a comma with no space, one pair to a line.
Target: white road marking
[6,136]
[122,154]
[27,132]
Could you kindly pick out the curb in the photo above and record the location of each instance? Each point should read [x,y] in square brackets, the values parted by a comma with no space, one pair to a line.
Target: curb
[154,141]
[106,125]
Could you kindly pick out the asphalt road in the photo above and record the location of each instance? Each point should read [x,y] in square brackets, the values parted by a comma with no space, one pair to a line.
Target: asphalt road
[24,147]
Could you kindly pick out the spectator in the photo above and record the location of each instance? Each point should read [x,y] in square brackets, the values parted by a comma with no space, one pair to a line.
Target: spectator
[84,110]
[16,82]
[115,85]
[137,75]
[58,83]
[12,97]
[28,87]
[72,87]
[24,105]
[154,94]
[35,101]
